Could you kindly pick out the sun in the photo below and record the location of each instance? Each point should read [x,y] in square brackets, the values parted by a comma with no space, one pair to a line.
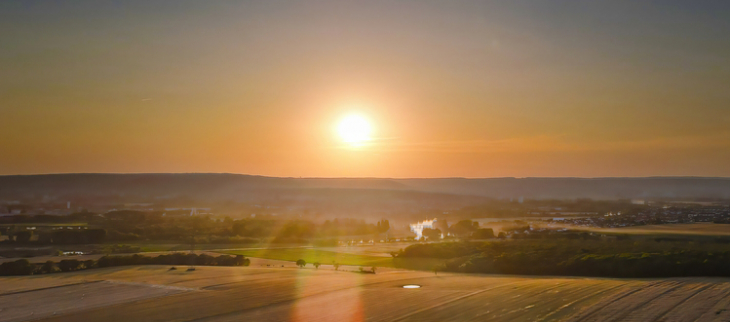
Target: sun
[354,129]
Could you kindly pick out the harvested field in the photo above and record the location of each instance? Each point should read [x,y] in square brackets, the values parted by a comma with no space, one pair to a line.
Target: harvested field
[63,299]
[153,293]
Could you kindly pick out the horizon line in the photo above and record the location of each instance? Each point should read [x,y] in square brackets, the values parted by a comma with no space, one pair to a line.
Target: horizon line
[381,178]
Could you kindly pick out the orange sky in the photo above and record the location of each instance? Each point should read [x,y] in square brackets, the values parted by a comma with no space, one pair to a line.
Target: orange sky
[461,88]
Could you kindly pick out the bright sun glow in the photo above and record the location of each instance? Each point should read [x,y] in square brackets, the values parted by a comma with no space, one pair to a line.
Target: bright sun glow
[354,130]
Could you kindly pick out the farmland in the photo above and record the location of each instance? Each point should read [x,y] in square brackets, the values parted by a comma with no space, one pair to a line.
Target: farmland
[708,229]
[315,255]
[260,293]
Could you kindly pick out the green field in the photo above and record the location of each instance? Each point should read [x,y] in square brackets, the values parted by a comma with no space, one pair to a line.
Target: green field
[145,247]
[315,255]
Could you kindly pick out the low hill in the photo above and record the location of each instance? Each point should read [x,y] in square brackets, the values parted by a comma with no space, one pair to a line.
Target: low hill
[227,186]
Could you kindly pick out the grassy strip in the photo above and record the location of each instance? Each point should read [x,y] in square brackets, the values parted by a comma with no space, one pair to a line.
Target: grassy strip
[314,255]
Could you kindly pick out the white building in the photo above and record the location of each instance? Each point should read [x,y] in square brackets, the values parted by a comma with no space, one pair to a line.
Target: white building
[417,228]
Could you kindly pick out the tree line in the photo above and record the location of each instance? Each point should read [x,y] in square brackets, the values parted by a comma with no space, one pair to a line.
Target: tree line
[128,225]
[58,236]
[462,229]
[25,267]
[569,257]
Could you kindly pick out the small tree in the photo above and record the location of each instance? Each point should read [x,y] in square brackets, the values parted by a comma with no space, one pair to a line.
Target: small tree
[316,265]
[301,263]
[336,265]
[373,269]
[48,267]
[69,265]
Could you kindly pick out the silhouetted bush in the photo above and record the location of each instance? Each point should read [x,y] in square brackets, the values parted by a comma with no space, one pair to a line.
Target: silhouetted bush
[70,265]
[483,233]
[82,236]
[18,267]
[23,236]
[48,267]
[24,267]
[174,259]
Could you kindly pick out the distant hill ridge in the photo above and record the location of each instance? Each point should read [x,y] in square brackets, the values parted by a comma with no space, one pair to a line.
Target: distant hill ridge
[231,184]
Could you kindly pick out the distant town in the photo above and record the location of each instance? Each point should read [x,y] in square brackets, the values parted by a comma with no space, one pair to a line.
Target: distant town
[509,217]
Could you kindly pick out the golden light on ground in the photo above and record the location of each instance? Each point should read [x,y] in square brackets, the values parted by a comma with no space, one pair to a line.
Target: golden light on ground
[354,130]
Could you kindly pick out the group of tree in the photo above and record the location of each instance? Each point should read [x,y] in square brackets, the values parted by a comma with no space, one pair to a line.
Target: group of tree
[302,263]
[58,236]
[511,208]
[79,236]
[464,228]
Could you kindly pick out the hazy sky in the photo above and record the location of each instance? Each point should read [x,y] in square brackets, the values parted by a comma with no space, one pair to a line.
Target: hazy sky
[451,88]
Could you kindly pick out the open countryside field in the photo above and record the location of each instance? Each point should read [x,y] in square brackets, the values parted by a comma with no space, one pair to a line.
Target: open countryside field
[153,293]
[315,255]
[377,249]
[701,229]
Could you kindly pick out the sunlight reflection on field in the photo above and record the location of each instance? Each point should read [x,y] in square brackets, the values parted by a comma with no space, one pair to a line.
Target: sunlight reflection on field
[345,305]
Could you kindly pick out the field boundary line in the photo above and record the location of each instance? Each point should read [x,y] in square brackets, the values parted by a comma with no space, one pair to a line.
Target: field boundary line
[167,287]
[213,277]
